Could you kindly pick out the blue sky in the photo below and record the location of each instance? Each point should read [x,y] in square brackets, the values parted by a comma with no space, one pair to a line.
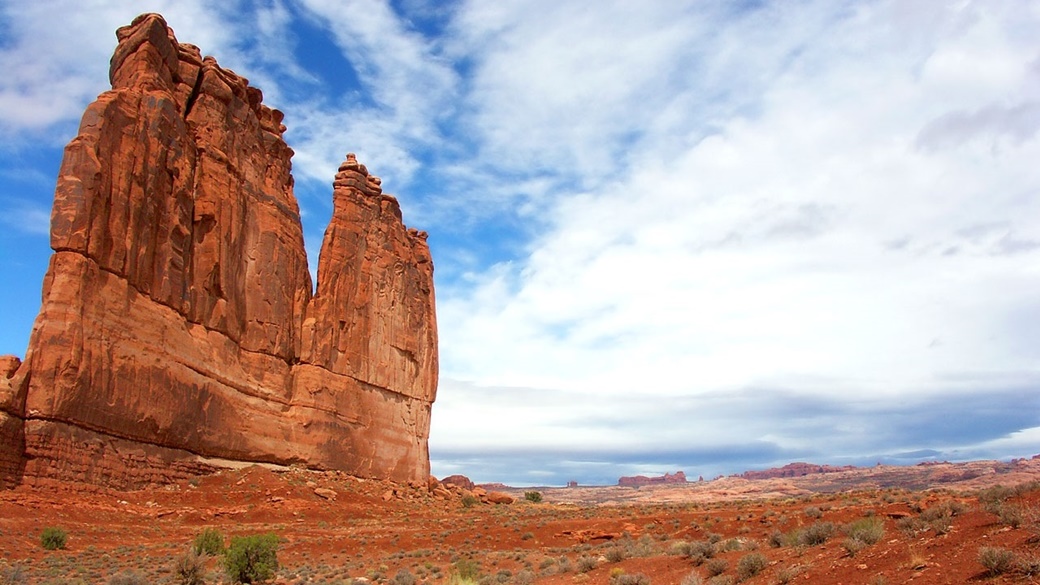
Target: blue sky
[708,236]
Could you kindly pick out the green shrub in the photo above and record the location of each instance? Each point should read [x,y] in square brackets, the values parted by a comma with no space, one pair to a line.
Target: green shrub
[252,559]
[866,530]
[586,564]
[994,501]
[644,547]
[941,525]
[1010,515]
[468,501]
[716,567]
[466,571]
[853,545]
[615,554]
[404,577]
[698,551]
[910,525]
[938,518]
[731,544]
[945,509]
[190,568]
[13,575]
[1029,565]
[53,538]
[788,574]
[813,512]
[750,565]
[209,542]
[816,534]
[534,497]
[997,493]
[996,560]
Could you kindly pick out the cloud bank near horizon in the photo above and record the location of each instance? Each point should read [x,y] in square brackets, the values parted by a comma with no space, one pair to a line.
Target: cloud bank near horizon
[685,236]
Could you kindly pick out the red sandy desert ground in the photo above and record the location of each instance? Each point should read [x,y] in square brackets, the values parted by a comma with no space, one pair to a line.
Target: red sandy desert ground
[389,532]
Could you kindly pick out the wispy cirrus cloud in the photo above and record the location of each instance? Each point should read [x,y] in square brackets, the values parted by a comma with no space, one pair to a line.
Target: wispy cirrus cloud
[407,89]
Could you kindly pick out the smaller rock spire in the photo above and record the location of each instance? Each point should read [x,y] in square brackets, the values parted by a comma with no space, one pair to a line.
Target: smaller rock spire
[353,174]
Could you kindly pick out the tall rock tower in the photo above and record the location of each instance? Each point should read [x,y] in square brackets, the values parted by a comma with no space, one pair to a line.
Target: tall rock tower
[178,331]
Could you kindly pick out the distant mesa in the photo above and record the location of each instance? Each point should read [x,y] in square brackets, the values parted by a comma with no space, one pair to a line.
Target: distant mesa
[179,332]
[797,469]
[641,480]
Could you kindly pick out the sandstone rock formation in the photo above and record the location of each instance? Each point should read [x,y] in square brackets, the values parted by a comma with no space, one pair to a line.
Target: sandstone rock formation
[178,330]
[499,498]
[459,481]
[797,469]
[641,480]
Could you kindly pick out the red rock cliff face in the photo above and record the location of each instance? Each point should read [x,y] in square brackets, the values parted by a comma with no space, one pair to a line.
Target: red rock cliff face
[178,331]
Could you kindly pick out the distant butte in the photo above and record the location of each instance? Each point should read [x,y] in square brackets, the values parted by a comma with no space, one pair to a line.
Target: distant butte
[178,331]
[797,469]
[641,480]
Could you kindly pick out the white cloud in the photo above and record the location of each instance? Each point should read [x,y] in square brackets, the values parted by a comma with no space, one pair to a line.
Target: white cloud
[505,433]
[1016,123]
[54,67]
[1013,445]
[756,252]
[409,85]
[553,83]
[692,210]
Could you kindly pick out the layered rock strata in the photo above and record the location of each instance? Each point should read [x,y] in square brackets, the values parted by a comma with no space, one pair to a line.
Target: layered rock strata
[178,330]
[797,469]
[678,477]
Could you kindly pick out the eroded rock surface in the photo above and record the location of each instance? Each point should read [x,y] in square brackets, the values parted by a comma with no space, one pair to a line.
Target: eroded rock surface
[641,480]
[797,469]
[178,330]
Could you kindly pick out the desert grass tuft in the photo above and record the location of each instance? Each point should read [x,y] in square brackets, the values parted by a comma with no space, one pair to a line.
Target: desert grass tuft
[750,565]
[996,561]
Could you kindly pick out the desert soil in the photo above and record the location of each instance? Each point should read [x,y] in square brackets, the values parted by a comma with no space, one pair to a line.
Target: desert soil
[403,535]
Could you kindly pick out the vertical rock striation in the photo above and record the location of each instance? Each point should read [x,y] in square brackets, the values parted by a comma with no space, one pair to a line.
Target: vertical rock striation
[178,331]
